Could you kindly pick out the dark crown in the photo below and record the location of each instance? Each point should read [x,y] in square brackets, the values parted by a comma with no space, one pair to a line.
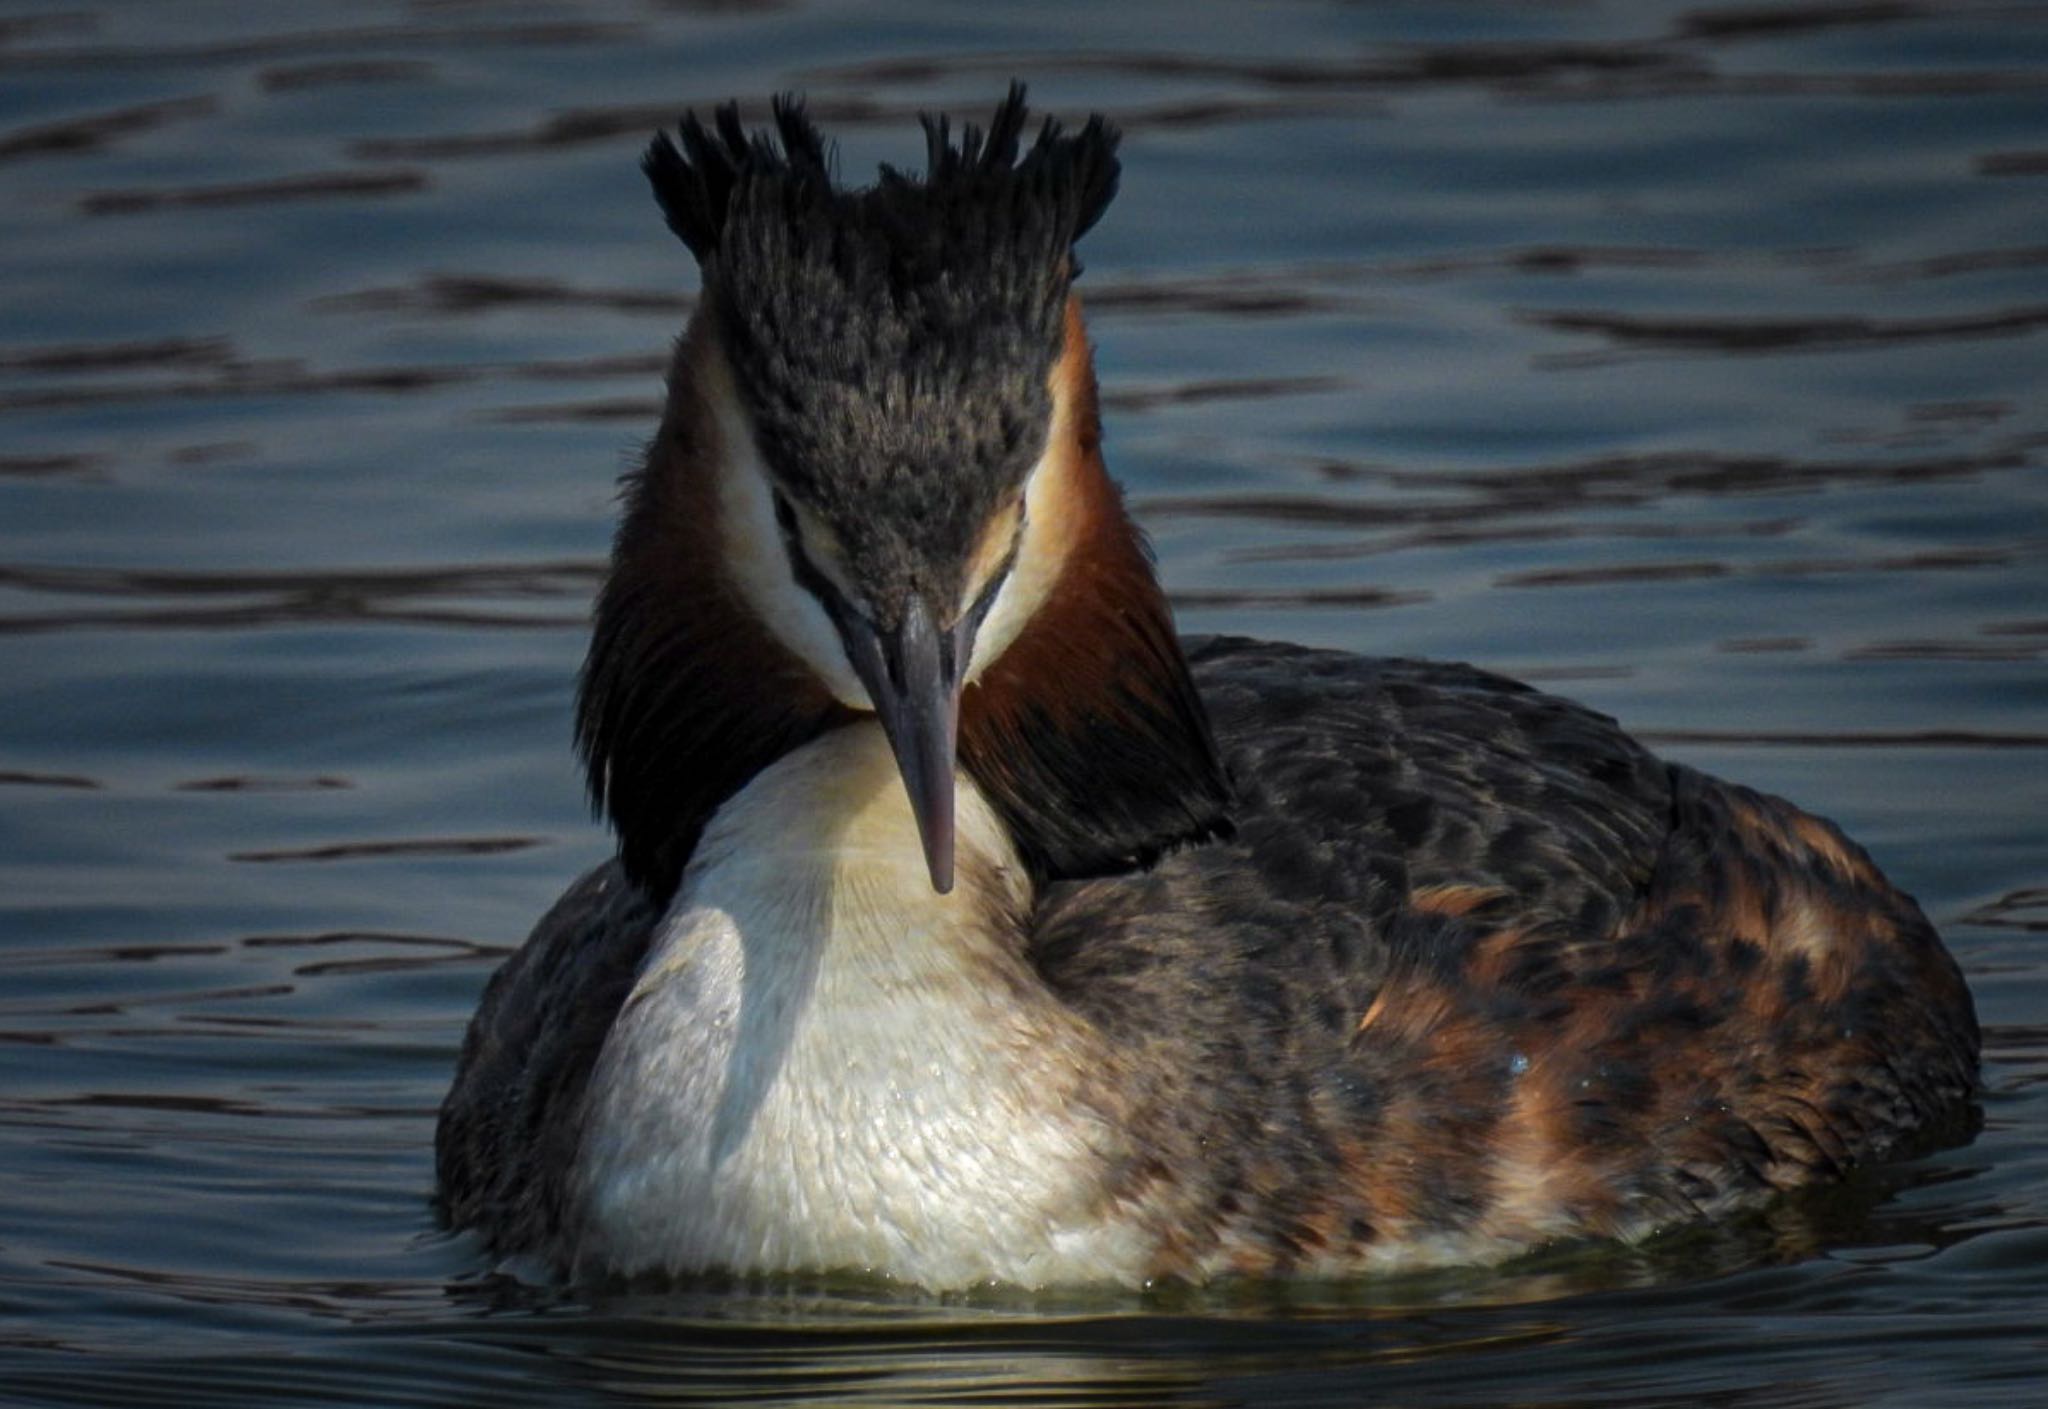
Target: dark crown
[891,343]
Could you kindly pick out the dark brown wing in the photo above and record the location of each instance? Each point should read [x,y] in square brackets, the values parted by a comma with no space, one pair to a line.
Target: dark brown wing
[1476,963]
[508,1129]
[1365,789]
[1767,1013]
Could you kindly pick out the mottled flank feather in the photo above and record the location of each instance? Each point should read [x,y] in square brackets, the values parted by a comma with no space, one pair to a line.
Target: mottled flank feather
[1480,971]
[508,1131]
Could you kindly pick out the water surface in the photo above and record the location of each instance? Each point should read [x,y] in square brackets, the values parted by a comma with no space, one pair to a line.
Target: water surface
[1687,359]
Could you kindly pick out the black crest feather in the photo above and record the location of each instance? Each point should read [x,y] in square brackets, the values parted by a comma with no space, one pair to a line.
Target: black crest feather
[891,342]
[1069,180]
[694,184]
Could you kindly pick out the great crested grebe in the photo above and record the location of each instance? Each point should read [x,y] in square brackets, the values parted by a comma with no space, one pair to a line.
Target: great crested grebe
[969,926]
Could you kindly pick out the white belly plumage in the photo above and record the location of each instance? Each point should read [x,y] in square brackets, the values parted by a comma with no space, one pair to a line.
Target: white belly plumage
[826,1065]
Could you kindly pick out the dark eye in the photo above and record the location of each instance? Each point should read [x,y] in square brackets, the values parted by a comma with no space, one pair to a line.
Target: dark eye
[785,516]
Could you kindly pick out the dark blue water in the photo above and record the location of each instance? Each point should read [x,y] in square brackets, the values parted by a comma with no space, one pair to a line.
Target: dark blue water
[1693,361]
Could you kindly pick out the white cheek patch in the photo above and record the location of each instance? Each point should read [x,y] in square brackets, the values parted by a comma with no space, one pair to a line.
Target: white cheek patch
[757,558]
[1030,581]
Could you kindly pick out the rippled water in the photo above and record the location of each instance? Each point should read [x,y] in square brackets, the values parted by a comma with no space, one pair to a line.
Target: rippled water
[1688,359]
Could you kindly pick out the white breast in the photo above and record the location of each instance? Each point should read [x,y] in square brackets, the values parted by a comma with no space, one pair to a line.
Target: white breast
[826,1065]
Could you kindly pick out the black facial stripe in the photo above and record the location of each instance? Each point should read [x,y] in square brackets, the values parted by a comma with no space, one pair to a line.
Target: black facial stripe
[806,572]
[987,599]
[843,613]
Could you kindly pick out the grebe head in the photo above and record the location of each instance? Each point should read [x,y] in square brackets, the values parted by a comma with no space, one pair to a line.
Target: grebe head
[891,351]
[877,476]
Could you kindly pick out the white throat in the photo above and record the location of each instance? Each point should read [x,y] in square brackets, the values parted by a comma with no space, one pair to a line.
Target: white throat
[826,1065]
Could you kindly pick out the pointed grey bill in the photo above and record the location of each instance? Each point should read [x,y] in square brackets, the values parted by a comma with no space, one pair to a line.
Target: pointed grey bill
[912,674]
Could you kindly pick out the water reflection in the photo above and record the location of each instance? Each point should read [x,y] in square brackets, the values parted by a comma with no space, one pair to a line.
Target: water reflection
[440,596]
[1752,335]
[2024,909]
[75,466]
[318,185]
[15,777]
[2013,164]
[96,131]
[291,43]
[1566,1321]
[455,294]
[413,846]
[346,73]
